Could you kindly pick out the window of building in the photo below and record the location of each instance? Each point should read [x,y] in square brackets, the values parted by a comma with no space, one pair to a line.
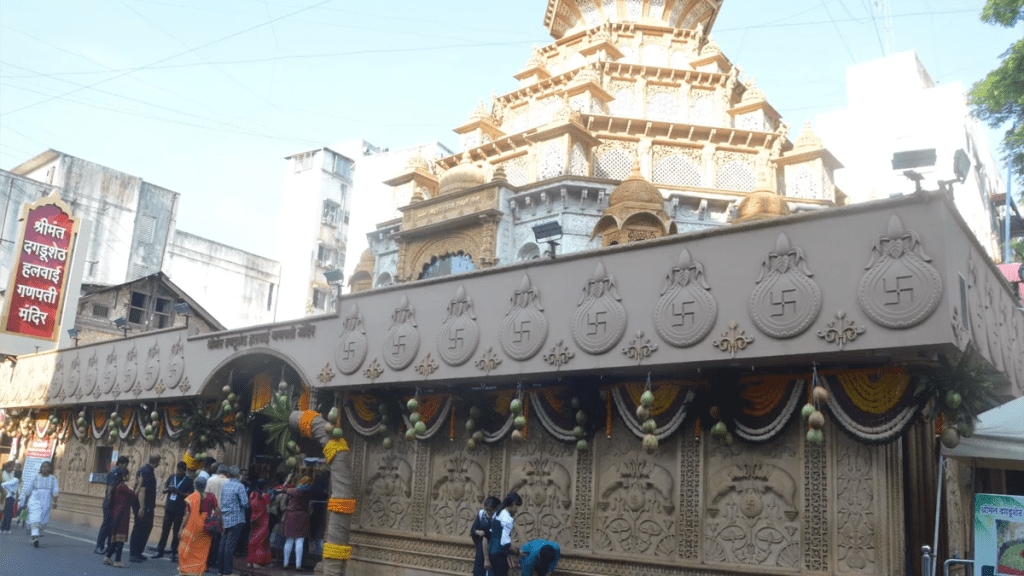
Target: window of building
[319,298]
[344,193]
[162,313]
[101,463]
[331,212]
[326,256]
[100,311]
[137,308]
[447,265]
[147,229]
[303,161]
[343,167]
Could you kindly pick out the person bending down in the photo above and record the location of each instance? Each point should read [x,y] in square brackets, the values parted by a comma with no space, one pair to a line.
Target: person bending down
[539,557]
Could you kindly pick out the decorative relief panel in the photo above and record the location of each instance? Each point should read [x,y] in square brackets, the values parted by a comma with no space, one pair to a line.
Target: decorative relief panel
[352,347]
[152,373]
[459,335]
[816,514]
[856,530]
[540,470]
[614,160]
[583,503]
[56,383]
[131,372]
[686,311]
[976,305]
[175,364]
[691,463]
[388,494]
[524,329]
[457,487]
[92,374]
[600,318]
[751,503]
[995,352]
[636,512]
[900,288]
[552,159]
[402,341]
[73,379]
[786,301]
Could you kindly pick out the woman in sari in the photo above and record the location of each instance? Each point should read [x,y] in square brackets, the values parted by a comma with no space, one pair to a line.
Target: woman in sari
[122,502]
[41,495]
[194,547]
[259,526]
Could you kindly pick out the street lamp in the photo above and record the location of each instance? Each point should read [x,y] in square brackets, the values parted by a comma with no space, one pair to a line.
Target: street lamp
[335,277]
[549,232]
[73,334]
[122,324]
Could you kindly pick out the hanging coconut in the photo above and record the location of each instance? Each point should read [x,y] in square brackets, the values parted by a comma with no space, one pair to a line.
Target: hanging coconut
[478,436]
[647,399]
[966,428]
[332,415]
[410,434]
[820,395]
[387,443]
[807,410]
[474,412]
[226,390]
[517,435]
[954,399]
[719,429]
[291,461]
[471,444]
[729,439]
[383,429]
[582,445]
[413,405]
[815,437]
[816,420]
[519,422]
[715,412]
[470,425]
[642,413]
[578,432]
[649,426]
[415,417]
[950,437]
[421,428]
[516,406]
[337,432]
[282,387]
[581,417]
[574,402]
[650,443]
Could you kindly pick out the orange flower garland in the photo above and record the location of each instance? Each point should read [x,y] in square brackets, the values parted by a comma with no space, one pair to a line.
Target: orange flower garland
[765,395]
[342,505]
[337,551]
[306,423]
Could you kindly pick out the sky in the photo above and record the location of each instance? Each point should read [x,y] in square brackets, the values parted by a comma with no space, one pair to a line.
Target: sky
[207,97]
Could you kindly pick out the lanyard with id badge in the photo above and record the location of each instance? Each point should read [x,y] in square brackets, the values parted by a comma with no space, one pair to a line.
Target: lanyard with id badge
[174,495]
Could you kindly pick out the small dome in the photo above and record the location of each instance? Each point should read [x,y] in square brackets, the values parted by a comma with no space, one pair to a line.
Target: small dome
[636,189]
[761,204]
[753,93]
[465,175]
[480,113]
[710,48]
[587,74]
[807,138]
[366,263]
[417,161]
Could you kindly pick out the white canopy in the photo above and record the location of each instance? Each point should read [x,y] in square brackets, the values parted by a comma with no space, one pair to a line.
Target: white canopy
[998,440]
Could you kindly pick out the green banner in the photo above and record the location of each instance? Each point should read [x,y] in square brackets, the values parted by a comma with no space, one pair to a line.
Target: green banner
[998,535]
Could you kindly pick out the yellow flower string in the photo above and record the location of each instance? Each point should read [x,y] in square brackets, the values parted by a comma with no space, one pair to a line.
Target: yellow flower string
[261,392]
[552,399]
[940,423]
[341,505]
[306,423]
[337,551]
[608,412]
[362,405]
[502,401]
[332,448]
[99,418]
[429,405]
[304,397]
[190,462]
[874,396]
[664,395]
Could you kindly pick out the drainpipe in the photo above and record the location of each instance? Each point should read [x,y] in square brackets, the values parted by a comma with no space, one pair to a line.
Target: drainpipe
[1006,213]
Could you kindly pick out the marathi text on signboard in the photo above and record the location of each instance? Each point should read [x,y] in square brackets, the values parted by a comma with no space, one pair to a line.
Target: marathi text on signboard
[36,292]
[998,535]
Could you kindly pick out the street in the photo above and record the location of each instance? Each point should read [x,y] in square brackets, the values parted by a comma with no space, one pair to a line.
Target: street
[67,550]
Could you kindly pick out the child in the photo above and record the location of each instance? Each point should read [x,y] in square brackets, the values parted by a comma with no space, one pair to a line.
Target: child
[481,530]
[539,557]
[500,542]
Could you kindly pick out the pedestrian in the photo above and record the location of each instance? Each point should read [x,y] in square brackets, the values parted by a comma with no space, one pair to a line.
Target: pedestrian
[122,502]
[103,539]
[538,557]
[208,463]
[145,488]
[480,532]
[233,503]
[194,548]
[39,497]
[296,521]
[258,553]
[213,486]
[10,486]
[500,547]
[177,487]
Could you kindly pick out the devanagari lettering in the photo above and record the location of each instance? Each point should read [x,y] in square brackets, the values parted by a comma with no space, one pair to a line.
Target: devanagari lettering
[43,226]
[37,271]
[33,314]
[47,296]
[45,251]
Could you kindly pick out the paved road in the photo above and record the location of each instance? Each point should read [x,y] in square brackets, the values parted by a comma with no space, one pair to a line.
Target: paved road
[67,550]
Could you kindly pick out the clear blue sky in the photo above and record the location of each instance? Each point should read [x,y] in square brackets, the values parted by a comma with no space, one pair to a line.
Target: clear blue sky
[206,97]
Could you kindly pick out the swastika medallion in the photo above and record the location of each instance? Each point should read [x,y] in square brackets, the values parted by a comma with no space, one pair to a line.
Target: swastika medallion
[786,300]
[352,346]
[459,335]
[600,318]
[686,311]
[524,329]
[900,288]
[402,341]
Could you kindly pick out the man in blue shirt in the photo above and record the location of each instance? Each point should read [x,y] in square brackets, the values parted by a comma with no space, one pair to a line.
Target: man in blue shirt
[112,481]
[539,557]
[233,502]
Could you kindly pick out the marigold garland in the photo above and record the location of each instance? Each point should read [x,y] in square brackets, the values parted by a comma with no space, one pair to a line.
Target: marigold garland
[304,398]
[262,393]
[429,405]
[334,446]
[552,399]
[874,397]
[363,407]
[306,423]
[664,396]
[337,551]
[342,505]
[190,462]
[765,396]
[608,412]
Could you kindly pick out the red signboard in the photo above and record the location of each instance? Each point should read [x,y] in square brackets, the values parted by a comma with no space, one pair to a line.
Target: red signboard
[35,295]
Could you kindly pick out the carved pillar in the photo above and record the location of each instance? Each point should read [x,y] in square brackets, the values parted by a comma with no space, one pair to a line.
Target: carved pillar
[420,487]
[815,512]
[358,446]
[707,159]
[690,487]
[496,470]
[583,505]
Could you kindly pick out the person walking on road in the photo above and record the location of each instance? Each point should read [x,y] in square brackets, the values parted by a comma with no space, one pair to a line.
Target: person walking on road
[233,502]
[177,487]
[103,539]
[145,487]
[40,496]
[195,540]
[122,502]
[10,485]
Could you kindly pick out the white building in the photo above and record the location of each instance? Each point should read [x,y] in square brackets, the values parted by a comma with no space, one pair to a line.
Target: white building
[893,106]
[134,235]
[313,224]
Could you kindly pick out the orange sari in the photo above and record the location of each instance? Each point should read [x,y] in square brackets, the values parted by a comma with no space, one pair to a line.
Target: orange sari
[195,541]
